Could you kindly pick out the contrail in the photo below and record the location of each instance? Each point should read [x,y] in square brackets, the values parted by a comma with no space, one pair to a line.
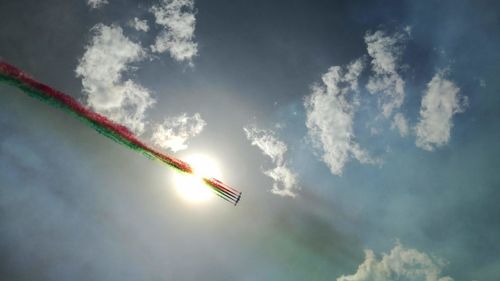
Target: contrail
[11,75]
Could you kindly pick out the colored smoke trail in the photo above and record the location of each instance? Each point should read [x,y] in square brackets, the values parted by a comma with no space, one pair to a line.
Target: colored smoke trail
[120,134]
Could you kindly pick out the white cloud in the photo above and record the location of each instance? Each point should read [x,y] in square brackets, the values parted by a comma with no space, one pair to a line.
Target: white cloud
[400,124]
[285,181]
[330,111]
[266,141]
[106,59]
[400,264]
[178,20]
[385,51]
[94,4]
[139,25]
[439,104]
[174,132]
[482,83]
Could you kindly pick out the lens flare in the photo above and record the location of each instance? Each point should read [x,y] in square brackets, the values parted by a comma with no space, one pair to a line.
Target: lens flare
[192,187]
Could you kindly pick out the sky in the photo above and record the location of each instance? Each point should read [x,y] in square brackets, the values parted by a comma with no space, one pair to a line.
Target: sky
[363,135]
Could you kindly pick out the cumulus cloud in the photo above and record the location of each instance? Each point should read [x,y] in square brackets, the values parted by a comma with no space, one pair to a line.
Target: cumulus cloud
[285,181]
[107,57]
[94,4]
[400,264]
[174,132]
[400,124]
[178,20]
[139,25]
[385,51]
[439,104]
[330,110]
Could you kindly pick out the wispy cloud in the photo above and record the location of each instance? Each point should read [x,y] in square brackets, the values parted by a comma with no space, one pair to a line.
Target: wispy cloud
[439,104]
[95,4]
[285,181]
[267,142]
[400,264]
[330,110]
[174,132]
[107,57]
[401,124]
[139,25]
[178,20]
[385,51]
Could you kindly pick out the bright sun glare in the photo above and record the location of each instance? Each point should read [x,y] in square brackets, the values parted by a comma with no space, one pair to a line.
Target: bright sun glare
[191,187]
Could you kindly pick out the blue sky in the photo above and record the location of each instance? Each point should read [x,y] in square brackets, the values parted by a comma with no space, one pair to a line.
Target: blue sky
[363,135]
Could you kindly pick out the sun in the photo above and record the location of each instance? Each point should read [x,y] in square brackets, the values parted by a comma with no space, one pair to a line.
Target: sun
[191,187]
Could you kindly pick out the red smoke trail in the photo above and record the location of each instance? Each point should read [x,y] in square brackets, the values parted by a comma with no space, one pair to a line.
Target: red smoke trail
[119,133]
